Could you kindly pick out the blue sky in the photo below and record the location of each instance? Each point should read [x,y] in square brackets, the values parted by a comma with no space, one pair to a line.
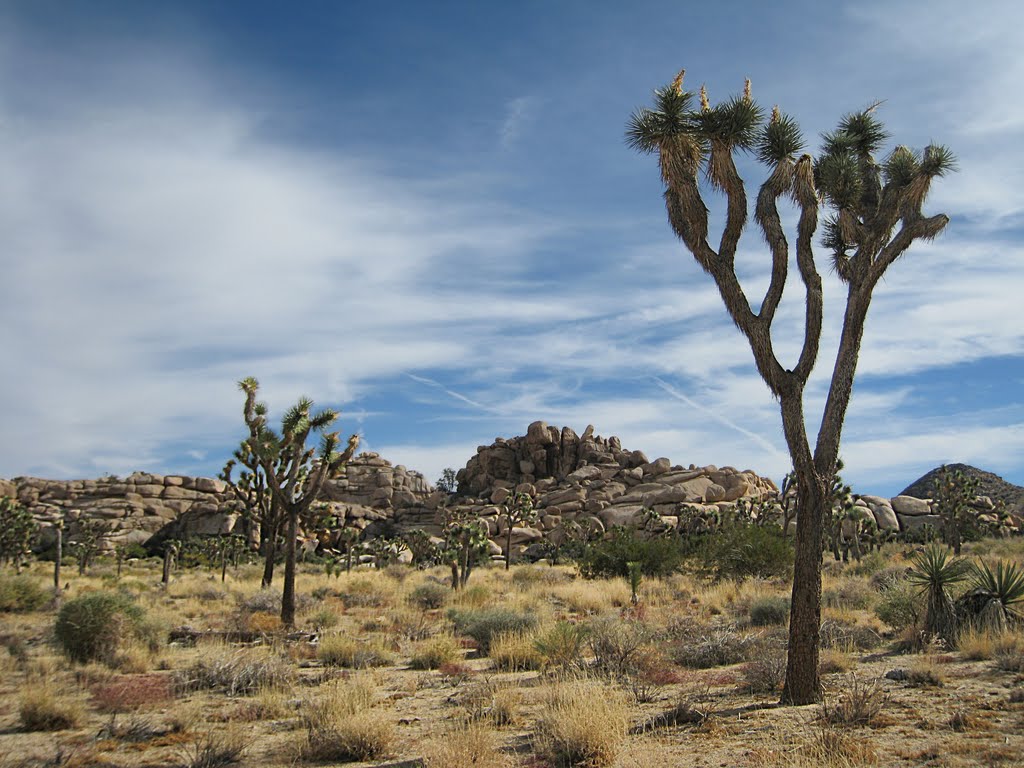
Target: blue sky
[425,214]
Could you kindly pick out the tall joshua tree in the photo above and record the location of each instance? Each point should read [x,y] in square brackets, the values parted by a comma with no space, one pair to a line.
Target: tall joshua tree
[294,473]
[874,217]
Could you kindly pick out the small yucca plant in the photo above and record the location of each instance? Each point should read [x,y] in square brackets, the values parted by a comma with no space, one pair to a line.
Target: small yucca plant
[995,592]
[934,570]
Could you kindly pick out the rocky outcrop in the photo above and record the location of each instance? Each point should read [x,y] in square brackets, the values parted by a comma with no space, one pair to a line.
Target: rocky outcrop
[594,482]
[990,485]
[136,507]
[144,505]
[584,481]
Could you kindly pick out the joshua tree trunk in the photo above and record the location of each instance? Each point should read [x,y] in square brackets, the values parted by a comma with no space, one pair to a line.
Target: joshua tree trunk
[288,594]
[269,555]
[58,559]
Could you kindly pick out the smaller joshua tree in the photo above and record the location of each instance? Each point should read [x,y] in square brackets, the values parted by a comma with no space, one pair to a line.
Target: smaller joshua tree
[465,538]
[88,541]
[17,530]
[259,506]
[517,510]
[952,496]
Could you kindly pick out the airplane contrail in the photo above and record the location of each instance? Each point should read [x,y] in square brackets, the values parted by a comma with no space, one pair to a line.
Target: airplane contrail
[721,419]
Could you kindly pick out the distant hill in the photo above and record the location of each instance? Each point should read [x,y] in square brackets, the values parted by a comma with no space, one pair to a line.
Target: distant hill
[989,484]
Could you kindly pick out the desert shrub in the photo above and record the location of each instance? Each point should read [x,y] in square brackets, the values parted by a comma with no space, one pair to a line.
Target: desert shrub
[491,701]
[42,708]
[582,724]
[344,651]
[765,674]
[611,557]
[214,750]
[616,643]
[124,693]
[856,702]
[484,624]
[899,605]
[21,594]
[870,564]
[884,578]
[236,673]
[429,595]
[265,601]
[769,611]
[469,745]
[737,551]
[925,672]
[711,647]
[834,660]
[850,593]
[435,652]
[365,593]
[561,645]
[839,634]
[94,627]
[515,652]
[342,726]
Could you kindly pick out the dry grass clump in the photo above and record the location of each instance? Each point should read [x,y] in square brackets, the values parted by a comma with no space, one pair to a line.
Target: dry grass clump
[925,671]
[430,595]
[561,645]
[497,703]
[469,745]
[582,723]
[827,748]
[344,651]
[436,652]
[236,673]
[214,750]
[364,592]
[833,660]
[44,708]
[765,674]
[591,598]
[855,703]
[341,724]
[850,593]
[1008,651]
[515,652]
[701,647]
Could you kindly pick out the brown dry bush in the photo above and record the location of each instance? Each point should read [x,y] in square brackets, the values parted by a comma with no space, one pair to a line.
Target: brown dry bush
[236,673]
[343,651]
[471,745]
[582,723]
[214,750]
[341,724]
[43,708]
[125,693]
[435,653]
[855,702]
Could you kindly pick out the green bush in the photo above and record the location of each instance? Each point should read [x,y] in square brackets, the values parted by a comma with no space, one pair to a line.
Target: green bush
[93,627]
[430,595]
[20,594]
[900,605]
[611,557]
[769,611]
[484,624]
[738,550]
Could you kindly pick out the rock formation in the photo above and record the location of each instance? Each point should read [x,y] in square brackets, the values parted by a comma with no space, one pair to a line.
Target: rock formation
[586,480]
